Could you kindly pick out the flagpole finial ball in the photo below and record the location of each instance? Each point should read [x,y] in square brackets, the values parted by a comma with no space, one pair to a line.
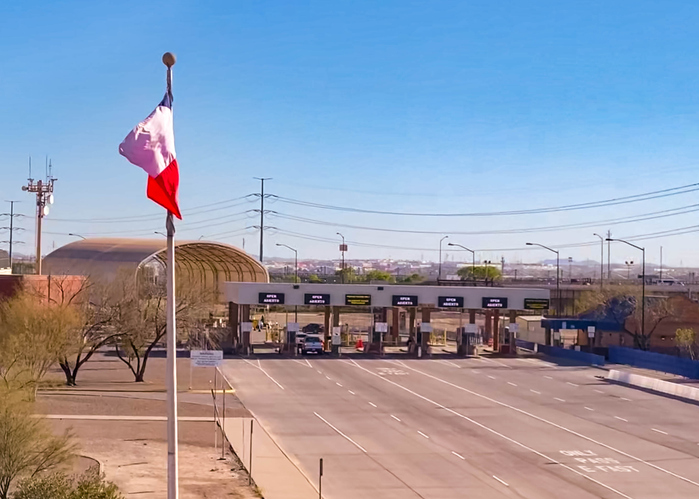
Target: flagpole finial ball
[169,59]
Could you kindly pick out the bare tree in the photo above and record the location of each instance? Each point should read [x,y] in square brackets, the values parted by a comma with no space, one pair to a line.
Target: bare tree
[27,446]
[623,306]
[94,302]
[139,318]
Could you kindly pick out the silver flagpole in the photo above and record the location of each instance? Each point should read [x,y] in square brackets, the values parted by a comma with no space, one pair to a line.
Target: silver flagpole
[172,457]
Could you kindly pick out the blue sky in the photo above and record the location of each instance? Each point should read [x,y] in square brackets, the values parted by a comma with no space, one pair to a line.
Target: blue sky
[394,105]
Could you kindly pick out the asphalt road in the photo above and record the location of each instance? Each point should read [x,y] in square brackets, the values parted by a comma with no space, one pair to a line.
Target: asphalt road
[476,428]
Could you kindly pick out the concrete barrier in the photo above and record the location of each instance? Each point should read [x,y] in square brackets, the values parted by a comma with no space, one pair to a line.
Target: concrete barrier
[654,384]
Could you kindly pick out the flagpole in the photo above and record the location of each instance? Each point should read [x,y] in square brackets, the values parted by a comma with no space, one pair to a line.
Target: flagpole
[172,452]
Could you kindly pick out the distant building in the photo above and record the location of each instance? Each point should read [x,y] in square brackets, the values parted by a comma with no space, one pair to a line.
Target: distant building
[5,262]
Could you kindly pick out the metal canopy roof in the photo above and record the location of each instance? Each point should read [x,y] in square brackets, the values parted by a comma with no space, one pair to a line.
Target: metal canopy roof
[209,262]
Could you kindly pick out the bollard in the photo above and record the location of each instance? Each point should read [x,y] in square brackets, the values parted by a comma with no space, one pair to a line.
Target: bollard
[320,480]
[252,422]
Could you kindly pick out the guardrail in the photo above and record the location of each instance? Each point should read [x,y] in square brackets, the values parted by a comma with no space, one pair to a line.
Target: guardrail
[655,361]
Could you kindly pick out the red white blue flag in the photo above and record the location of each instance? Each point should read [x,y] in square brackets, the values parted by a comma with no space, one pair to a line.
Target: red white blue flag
[151,145]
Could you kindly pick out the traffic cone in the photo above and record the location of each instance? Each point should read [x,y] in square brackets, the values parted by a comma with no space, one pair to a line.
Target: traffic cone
[359,345]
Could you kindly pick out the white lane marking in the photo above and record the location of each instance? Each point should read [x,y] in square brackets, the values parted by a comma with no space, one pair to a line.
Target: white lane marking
[571,384]
[309,364]
[372,404]
[599,391]
[511,383]
[556,425]
[458,455]
[560,400]
[475,371]
[260,368]
[331,426]
[659,431]
[296,360]
[395,418]
[422,434]
[328,377]
[622,419]
[624,398]
[501,481]
[548,377]
[534,391]
[495,362]
[589,408]
[351,392]
[319,372]
[338,384]
[452,364]
[494,432]
[491,377]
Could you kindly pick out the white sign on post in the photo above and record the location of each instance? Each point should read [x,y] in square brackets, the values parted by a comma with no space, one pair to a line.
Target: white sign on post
[381,327]
[590,331]
[471,328]
[514,327]
[246,327]
[292,326]
[426,327]
[206,358]
[336,336]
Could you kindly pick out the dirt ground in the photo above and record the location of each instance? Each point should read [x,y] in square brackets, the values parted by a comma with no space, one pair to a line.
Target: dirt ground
[133,452]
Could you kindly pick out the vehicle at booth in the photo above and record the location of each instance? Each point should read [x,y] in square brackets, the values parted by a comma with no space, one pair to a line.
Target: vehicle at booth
[312,344]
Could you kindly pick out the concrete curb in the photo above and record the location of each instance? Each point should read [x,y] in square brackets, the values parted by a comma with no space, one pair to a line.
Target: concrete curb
[676,390]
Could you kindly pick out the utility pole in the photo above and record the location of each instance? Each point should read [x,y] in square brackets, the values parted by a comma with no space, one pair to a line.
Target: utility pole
[609,253]
[262,213]
[661,264]
[343,248]
[44,197]
[11,229]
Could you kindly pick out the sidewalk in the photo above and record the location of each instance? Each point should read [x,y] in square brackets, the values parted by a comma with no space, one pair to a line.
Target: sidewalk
[274,473]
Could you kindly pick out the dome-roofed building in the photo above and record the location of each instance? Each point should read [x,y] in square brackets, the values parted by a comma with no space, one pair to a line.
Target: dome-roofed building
[211,263]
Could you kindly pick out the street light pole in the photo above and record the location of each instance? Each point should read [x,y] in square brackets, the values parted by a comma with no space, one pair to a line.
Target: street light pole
[558,275]
[601,261]
[643,284]
[77,235]
[439,272]
[473,264]
[296,273]
[343,248]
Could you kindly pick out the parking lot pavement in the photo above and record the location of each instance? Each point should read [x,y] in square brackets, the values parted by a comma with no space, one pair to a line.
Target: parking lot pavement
[471,428]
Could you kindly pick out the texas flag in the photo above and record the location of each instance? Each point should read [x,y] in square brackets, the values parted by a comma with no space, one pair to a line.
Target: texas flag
[151,145]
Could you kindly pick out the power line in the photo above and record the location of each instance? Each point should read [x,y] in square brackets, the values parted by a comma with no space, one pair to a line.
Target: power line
[614,221]
[674,191]
[638,237]
[197,210]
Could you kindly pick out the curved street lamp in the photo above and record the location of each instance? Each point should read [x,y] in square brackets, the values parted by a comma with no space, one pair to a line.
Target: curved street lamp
[439,272]
[601,261]
[296,280]
[76,235]
[473,255]
[558,275]
[643,284]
